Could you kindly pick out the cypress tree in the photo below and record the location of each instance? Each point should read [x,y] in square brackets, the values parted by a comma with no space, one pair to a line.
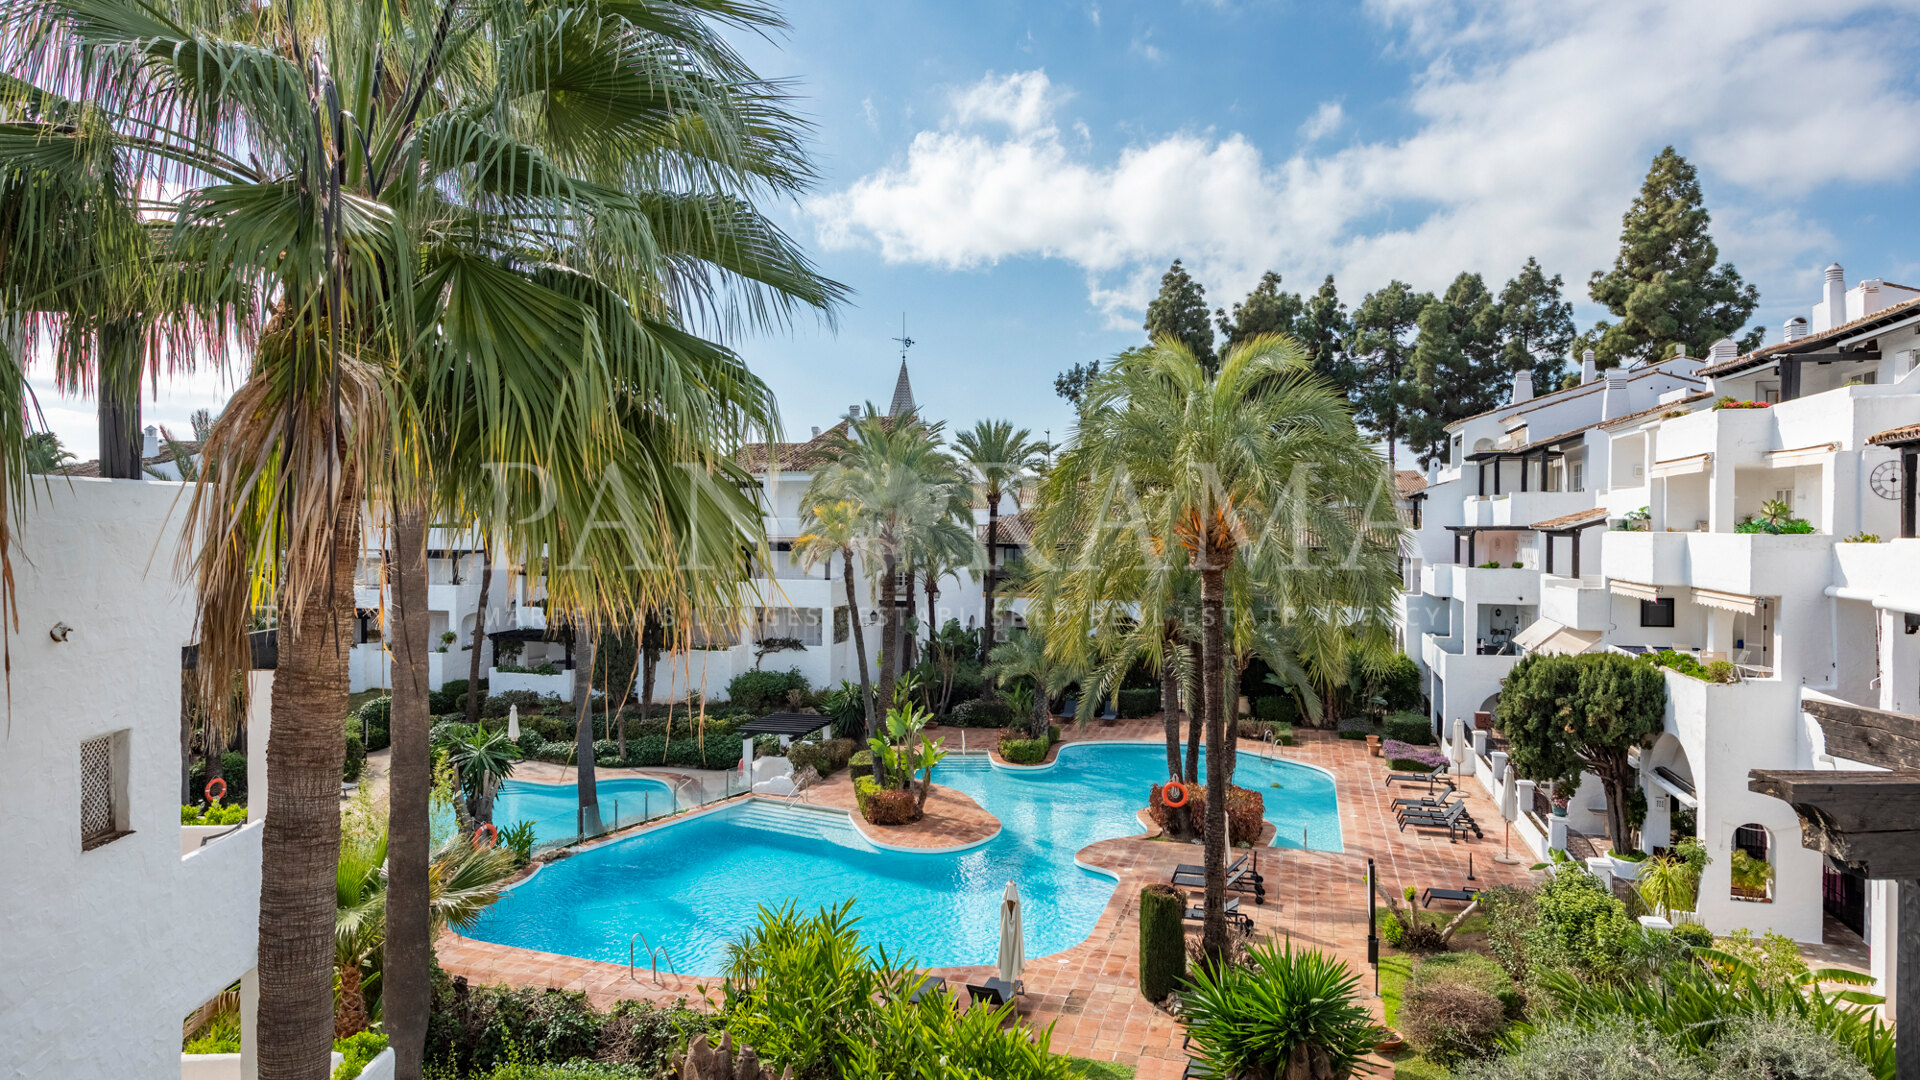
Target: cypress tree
[1181,310]
[1381,346]
[1536,326]
[1665,287]
[1266,310]
[1455,370]
[1163,941]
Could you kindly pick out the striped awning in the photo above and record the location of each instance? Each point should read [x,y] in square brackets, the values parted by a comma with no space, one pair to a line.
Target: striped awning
[1727,601]
[1633,589]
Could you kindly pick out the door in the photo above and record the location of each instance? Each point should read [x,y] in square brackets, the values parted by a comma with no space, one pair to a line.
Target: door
[1843,895]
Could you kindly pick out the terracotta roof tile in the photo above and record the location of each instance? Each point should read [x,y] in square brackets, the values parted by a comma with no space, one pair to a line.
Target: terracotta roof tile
[1899,436]
[92,468]
[1762,355]
[1663,407]
[1578,517]
[1016,529]
[1408,481]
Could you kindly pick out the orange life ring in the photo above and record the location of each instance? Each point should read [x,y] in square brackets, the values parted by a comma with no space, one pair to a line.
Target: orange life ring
[1166,794]
[213,796]
[492,834]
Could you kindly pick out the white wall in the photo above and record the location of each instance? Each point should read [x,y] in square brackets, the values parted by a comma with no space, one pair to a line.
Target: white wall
[105,951]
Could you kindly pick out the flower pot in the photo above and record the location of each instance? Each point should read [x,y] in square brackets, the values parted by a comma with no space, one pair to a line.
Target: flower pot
[1559,808]
[1625,869]
[1483,721]
[1390,1043]
[1373,745]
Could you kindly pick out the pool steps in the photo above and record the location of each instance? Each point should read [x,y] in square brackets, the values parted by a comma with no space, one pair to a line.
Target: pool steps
[807,823]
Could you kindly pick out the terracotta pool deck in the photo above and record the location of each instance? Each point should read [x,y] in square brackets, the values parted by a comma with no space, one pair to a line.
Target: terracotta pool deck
[1087,993]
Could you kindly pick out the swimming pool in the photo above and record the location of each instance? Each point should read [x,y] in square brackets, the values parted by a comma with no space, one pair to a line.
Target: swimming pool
[552,807]
[696,886]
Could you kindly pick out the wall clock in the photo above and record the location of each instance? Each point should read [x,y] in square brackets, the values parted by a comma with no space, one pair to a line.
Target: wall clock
[1885,479]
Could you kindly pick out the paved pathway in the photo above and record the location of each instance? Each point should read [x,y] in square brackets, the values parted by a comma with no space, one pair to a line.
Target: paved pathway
[1088,992]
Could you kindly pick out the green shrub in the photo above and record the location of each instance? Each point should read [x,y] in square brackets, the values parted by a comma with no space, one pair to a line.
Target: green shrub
[1283,734]
[860,764]
[1286,1005]
[220,1036]
[377,715]
[220,813]
[1475,970]
[1613,1050]
[1138,703]
[1693,935]
[1450,1022]
[848,709]
[766,691]
[891,806]
[1275,709]
[1581,925]
[1163,941]
[496,705]
[356,759]
[1023,751]
[233,770]
[519,839]
[864,787]
[553,728]
[447,698]
[489,1028]
[826,758]
[355,1051]
[1399,684]
[1410,727]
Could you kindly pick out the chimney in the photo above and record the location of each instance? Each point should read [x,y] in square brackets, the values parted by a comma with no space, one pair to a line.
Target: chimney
[816,431]
[1587,369]
[150,445]
[853,412]
[1724,349]
[1835,306]
[1794,329]
[1613,398]
[1522,386]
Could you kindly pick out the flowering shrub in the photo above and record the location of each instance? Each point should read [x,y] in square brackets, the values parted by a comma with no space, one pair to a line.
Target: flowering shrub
[1728,401]
[1400,754]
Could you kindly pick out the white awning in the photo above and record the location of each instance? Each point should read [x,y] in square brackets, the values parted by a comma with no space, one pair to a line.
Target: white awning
[1674,790]
[1698,463]
[1727,601]
[1633,589]
[1536,632]
[1569,642]
[1801,455]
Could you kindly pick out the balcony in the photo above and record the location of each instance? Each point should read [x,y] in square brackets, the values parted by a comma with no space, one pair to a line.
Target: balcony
[1524,507]
[1578,603]
[1747,563]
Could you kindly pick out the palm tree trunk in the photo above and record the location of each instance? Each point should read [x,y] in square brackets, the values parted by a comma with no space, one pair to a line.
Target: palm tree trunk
[406,990]
[907,617]
[301,845]
[350,1012]
[993,567]
[1213,590]
[859,642]
[1170,713]
[479,631]
[933,589]
[121,440]
[890,627]
[1230,747]
[1194,721]
[583,647]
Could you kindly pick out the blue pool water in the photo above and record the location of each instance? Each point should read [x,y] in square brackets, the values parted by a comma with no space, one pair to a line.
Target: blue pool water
[551,807]
[695,887]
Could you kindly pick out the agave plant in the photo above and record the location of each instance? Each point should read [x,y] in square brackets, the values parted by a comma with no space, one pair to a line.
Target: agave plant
[1289,1014]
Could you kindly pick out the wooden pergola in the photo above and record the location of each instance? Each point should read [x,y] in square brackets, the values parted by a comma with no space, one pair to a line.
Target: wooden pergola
[1870,822]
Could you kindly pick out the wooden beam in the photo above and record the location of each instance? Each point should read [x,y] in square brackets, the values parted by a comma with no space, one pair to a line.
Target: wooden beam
[1867,820]
[1872,736]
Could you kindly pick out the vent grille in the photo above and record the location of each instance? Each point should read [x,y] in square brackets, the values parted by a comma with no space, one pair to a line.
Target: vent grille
[97,817]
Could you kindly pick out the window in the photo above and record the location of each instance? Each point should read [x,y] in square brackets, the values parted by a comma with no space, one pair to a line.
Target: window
[801,624]
[1577,471]
[103,794]
[1657,612]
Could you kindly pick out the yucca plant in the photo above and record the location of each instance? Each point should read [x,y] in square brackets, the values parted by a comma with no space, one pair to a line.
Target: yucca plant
[1289,1014]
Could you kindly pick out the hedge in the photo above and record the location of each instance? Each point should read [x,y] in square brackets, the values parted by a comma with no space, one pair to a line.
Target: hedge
[980,713]
[764,691]
[1163,941]
[377,716]
[1275,709]
[356,759]
[1410,727]
[859,765]
[1023,751]
[1135,704]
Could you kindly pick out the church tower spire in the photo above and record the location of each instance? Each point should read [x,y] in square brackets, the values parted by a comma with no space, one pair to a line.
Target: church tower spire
[902,388]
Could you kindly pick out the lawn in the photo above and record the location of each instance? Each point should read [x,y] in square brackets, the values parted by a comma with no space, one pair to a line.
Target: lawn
[1102,1070]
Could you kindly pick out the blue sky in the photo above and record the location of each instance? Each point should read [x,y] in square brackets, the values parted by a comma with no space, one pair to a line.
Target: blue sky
[1015,176]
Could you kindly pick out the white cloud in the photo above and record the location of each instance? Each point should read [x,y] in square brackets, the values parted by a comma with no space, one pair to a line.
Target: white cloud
[1023,101]
[873,117]
[1093,15]
[1325,121]
[1144,48]
[1534,124]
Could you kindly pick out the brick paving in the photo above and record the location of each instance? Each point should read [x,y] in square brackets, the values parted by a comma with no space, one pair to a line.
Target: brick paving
[1087,993]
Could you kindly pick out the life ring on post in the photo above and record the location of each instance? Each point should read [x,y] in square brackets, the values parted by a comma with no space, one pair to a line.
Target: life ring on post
[216,796]
[486,830]
[1166,794]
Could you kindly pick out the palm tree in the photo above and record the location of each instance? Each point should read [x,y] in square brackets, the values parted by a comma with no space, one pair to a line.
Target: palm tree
[999,456]
[1258,478]
[1022,660]
[482,761]
[462,285]
[905,494]
[833,529]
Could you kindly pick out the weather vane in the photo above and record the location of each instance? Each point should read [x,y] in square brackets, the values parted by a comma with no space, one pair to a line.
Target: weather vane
[905,341]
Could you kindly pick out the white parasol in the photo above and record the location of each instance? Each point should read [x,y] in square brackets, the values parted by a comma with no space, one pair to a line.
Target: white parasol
[1013,949]
[1509,812]
[513,722]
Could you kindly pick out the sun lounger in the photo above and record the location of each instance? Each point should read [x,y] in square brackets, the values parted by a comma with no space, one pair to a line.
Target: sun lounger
[1442,802]
[1241,880]
[1234,915]
[1427,778]
[994,991]
[934,984]
[1456,821]
[1199,870]
[1463,895]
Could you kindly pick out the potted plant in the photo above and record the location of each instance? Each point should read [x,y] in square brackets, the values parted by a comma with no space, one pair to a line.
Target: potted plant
[1752,878]
[1562,795]
[1627,864]
[1669,883]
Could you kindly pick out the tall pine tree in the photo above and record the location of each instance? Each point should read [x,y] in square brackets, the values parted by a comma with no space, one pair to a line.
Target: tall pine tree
[1455,370]
[1536,326]
[1266,310]
[1181,310]
[1381,346]
[1665,287]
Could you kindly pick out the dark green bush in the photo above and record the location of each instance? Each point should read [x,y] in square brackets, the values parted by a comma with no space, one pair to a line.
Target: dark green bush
[356,760]
[1287,1012]
[1138,703]
[766,691]
[1410,727]
[1275,709]
[859,765]
[233,769]
[447,698]
[500,704]
[1163,941]
[826,758]
[377,716]
[980,713]
[1023,751]
[1694,935]
[1399,684]
[472,1032]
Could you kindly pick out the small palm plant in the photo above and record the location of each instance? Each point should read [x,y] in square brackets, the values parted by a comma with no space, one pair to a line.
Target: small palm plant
[1289,1014]
[481,761]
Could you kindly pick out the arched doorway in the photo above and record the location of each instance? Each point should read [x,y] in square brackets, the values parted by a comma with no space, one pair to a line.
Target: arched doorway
[1667,778]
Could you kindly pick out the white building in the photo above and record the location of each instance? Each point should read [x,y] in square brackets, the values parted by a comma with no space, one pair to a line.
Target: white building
[117,921]
[1605,516]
